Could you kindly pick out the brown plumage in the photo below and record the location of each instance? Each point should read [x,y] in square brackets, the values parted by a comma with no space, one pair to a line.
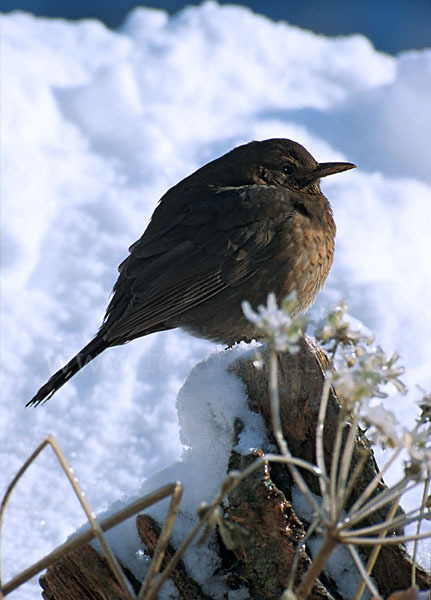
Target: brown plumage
[251,222]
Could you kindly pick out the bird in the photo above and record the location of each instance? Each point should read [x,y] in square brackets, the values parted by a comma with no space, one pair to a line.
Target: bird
[251,222]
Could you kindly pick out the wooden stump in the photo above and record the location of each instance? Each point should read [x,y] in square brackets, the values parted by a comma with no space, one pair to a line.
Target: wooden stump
[259,506]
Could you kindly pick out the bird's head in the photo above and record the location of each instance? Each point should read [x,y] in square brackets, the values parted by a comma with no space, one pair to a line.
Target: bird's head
[274,162]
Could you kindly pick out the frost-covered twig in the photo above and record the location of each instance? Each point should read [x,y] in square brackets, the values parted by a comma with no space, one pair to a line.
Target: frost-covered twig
[426,503]
[365,574]
[375,552]
[320,455]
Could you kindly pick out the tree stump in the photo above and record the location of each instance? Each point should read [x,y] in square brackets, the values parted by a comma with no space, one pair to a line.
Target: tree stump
[260,505]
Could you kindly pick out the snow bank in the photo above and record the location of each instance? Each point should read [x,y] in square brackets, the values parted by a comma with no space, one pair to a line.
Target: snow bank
[96,125]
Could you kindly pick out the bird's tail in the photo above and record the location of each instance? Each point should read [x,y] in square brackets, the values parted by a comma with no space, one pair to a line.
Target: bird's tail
[84,356]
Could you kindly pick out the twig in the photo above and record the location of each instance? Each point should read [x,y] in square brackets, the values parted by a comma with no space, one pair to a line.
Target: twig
[275,404]
[320,454]
[334,469]
[415,544]
[357,471]
[162,543]
[365,574]
[316,567]
[381,527]
[346,462]
[84,537]
[395,539]
[300,545]
[276,424]
[383,498]
[374,553]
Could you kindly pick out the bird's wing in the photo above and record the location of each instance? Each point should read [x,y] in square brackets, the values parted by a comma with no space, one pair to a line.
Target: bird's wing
[218,240]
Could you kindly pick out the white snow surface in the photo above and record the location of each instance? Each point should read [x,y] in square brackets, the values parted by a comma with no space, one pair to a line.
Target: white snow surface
[96,126]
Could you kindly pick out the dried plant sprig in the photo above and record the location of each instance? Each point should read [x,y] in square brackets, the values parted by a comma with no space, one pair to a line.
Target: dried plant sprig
[281,330]
[337,330]
[374,553]
[418,444]
[425,406]
[210,515]
[360,372]
[365,574]
[426,504]
[147,591]
[96,531]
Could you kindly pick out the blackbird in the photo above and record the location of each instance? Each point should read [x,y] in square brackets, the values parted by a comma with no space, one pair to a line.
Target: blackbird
[251,222]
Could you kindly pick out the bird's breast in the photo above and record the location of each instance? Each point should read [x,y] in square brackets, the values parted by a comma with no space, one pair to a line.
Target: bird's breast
[308,246]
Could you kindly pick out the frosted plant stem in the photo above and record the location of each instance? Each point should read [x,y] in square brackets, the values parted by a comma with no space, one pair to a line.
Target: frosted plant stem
[382,527]
[374,553]
[162,543]
[290,461]
[13,483]
[374,483]
[418,528]
[334,468]
[383,498]
[379,476]
[278,433]
[79,540]
[227,486]
[366,579]
[175,559]
[295,562]
[320,454]
[395,539]
[275,404]
[352,479]
[316,567]
[110,557]
[346,462]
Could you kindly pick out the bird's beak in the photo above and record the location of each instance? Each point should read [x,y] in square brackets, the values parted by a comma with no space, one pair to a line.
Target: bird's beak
[330,168]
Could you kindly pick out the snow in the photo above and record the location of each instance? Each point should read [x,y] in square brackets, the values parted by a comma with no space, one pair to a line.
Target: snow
[208,404]
[96,126]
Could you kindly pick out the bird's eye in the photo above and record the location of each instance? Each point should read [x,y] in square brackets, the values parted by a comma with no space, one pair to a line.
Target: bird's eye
[288,169]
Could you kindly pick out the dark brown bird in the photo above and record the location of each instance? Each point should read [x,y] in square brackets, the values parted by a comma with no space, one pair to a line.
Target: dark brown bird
[251,222]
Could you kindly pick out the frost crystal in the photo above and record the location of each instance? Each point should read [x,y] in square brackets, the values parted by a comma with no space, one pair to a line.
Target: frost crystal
[383,426]
[282,332]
